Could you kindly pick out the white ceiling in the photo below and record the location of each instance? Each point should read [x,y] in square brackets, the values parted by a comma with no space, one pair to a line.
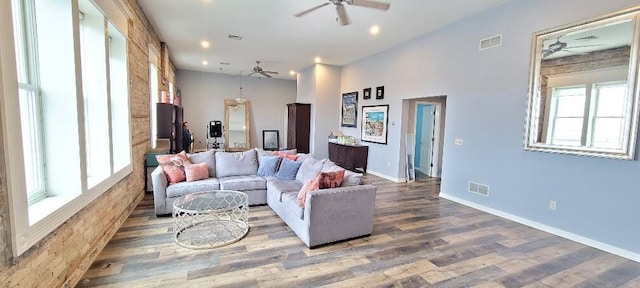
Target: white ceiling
[283,42]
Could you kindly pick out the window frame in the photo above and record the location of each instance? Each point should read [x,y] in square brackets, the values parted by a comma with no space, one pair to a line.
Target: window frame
[27,228]
[589,115]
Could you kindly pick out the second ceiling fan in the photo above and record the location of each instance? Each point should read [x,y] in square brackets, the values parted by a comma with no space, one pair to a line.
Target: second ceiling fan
[262,72]
[343,19]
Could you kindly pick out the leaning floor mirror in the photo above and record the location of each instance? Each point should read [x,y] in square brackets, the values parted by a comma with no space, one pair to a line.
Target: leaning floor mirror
[583,96]
[237,118]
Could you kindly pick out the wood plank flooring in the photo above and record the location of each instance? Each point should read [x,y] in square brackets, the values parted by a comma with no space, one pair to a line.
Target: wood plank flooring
[419,240]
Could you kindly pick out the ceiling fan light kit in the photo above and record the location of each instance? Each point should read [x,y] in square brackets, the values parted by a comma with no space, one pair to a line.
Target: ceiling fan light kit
[343,18]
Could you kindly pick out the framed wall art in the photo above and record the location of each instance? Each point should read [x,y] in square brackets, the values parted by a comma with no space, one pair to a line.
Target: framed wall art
[350,109]
[380,92]
[375,120]
[270,140]
[366,93]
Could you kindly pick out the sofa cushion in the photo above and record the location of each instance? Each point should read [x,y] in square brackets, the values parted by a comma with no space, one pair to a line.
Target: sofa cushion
[196,172]
[262,152]
[290,200]
[236,163]
[288,169]
[309,169]
[303,156]
[173,166]
[268,165]
[350,178]
[205,157]
[282,186]
[327,180]
[184,188]
[310,185]
[243,183]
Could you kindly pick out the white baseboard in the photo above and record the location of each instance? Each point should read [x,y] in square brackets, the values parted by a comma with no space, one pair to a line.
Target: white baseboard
[396,180]
[568,235]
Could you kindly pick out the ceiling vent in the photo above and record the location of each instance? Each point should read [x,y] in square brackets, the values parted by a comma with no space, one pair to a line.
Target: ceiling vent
[234,37]
[491,42]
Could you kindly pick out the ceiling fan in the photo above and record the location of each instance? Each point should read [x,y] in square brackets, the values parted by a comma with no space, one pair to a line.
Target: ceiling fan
[259,70]
[342,13]
[563,46]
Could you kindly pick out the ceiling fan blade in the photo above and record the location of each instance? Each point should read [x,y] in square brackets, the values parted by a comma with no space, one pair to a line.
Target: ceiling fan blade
[265,74]
[370,4]
[311,10]
[342,15]
[251,73]
[270,72]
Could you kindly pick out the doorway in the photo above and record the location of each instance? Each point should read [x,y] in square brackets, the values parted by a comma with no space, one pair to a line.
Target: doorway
[427,133]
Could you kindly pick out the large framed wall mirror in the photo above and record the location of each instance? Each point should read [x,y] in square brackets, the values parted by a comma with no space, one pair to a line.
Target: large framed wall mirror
[583,96]
[237,118]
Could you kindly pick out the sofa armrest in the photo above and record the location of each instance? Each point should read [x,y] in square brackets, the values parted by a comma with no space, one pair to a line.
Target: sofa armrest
[340,213]
[160,183]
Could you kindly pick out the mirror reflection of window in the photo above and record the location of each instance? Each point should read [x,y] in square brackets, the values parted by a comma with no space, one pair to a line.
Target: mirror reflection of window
[584,87]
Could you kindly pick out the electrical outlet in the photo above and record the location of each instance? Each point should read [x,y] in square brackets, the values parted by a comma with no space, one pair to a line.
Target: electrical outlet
[459,142]
[388,164]
[553,205]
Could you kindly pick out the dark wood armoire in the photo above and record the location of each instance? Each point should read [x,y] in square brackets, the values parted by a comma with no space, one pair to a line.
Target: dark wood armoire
[298,126]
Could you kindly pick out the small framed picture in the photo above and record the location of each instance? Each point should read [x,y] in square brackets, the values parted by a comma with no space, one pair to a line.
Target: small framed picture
[366,93]
[380,92]
[270,140]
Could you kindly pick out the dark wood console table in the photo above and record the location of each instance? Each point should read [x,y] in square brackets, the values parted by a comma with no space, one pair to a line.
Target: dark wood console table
[352,157]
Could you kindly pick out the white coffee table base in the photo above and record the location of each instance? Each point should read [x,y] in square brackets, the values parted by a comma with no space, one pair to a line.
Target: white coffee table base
[211,219]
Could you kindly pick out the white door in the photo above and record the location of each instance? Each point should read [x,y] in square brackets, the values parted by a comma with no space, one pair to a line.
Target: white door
[426,143]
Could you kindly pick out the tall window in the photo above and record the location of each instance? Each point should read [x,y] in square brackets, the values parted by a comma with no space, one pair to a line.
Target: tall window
[591,115]
[29,98]
[153,88]
[72,106]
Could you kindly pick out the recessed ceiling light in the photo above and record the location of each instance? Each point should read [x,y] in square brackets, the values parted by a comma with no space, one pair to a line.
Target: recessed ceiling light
[205,44]
[374,30]
[292,72]
[318,60]
[205,62]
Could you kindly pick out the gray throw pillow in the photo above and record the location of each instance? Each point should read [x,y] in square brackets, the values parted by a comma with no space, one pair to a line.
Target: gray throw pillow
[268,165]
[288,169]
[206,157]
[309,169]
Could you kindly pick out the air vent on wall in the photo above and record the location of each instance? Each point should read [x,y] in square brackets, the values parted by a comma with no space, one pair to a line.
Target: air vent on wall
[491,42]
[478,188]
[234,37]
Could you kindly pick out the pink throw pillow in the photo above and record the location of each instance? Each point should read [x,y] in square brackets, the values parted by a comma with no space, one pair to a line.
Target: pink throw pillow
[196,172]
[331,179]
[173,166]
[291,157]
[310,185]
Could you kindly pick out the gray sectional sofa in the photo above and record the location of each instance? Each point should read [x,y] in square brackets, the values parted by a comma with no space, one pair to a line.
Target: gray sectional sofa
[328,215]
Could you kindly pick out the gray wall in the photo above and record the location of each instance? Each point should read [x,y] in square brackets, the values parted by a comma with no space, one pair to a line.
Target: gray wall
[486,98]
[320,86]
[203,97]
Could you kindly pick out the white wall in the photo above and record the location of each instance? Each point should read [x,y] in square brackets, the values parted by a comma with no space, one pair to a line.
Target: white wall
[319,85]
[203,97]
[486,101]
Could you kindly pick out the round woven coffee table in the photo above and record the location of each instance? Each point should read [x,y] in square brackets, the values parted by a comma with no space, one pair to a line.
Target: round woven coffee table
[210,219]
